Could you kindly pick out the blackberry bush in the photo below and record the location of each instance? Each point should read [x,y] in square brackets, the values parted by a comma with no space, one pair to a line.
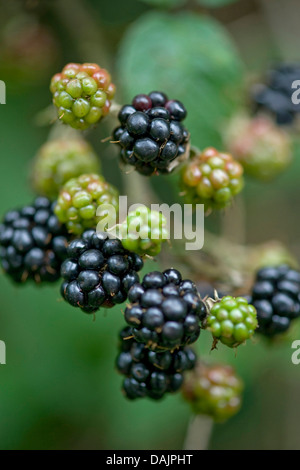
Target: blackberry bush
[149,373]
[211,178]
[33,243]
[80,200]
[98,272]
[232,320]
[165,311]
[213,390]
[276,297]
[82,94]
[151,135]
[144,231]
[275,95]
[262,148]
[60,160]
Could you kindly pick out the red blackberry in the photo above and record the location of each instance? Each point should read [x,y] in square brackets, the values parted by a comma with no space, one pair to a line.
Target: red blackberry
[276,297]
[33,243]
[165,311]
[151,136]
[150,373]
[98,272]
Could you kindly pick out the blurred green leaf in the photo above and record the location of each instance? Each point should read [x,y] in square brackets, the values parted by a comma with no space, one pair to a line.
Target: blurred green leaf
[215,3]
[189,57]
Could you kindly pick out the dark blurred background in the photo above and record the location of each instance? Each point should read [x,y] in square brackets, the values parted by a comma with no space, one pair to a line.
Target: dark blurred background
[59,389]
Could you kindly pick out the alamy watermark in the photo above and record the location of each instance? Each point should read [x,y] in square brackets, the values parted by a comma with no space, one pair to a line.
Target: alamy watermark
[2,352]
[2,92]
[183,222]
[296,94]
[296,353]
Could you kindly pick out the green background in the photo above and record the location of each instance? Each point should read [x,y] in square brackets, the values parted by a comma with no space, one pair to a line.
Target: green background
[59,389]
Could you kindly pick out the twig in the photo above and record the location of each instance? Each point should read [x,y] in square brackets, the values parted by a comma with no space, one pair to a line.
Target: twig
[198,433]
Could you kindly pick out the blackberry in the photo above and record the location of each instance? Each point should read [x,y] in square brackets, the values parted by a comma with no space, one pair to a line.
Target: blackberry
[165,311]
[60,160]
[33,243]
[151,135]
[275,95]
[79,200]
[211,178]
[276,297]
[98,272]
[143,231]
[263,149]
[213,390]
[82,94]
[231,320]
[148,373]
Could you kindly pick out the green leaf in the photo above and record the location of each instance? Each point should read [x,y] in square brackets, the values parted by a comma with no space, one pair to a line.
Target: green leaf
[215,3]
[189,57]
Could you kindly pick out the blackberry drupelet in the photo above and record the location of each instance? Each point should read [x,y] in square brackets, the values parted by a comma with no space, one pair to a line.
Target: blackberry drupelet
[213,390]
[232,320]
[144,231]
[276,297]
[151,135]
[275,96]
[79,201]
[165,311]
[33,243]
[98,272]
[59,160]
[150,373]
[82,94]
[211,178]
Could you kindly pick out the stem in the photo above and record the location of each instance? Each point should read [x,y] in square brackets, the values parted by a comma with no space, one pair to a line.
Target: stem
[198,433]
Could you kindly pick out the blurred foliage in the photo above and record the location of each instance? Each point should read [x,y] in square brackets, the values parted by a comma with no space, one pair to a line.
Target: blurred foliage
[207,78]
[165,3]
[215,3]
[59,389]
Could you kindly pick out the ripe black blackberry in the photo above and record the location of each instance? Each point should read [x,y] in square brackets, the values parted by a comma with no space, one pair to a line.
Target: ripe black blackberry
[150,373]
[98,272]
[151,136]
[165,311]
[33,243]
[276,297]
[276,95]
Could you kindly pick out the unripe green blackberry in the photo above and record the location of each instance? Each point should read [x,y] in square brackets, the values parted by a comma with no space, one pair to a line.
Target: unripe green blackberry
[79,200]
[213,390]
[82,94]
[211,178]
[60,160]
[231,320]
[143,231]
[263,148]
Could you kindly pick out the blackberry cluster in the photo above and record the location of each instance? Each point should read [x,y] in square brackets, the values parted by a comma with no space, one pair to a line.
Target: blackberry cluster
[211,178]
[60,160]
[150,373]
[144,231]
[165,311]
[98,272]
[151,135]
[232,320]
[79,201]
[33,243]
[276,297]
[213,390]
[82,93]
[276,95]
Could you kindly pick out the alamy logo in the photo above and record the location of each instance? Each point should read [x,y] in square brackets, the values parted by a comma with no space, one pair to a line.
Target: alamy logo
[2,352]
[2,92]
[296,354]
[295,95]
